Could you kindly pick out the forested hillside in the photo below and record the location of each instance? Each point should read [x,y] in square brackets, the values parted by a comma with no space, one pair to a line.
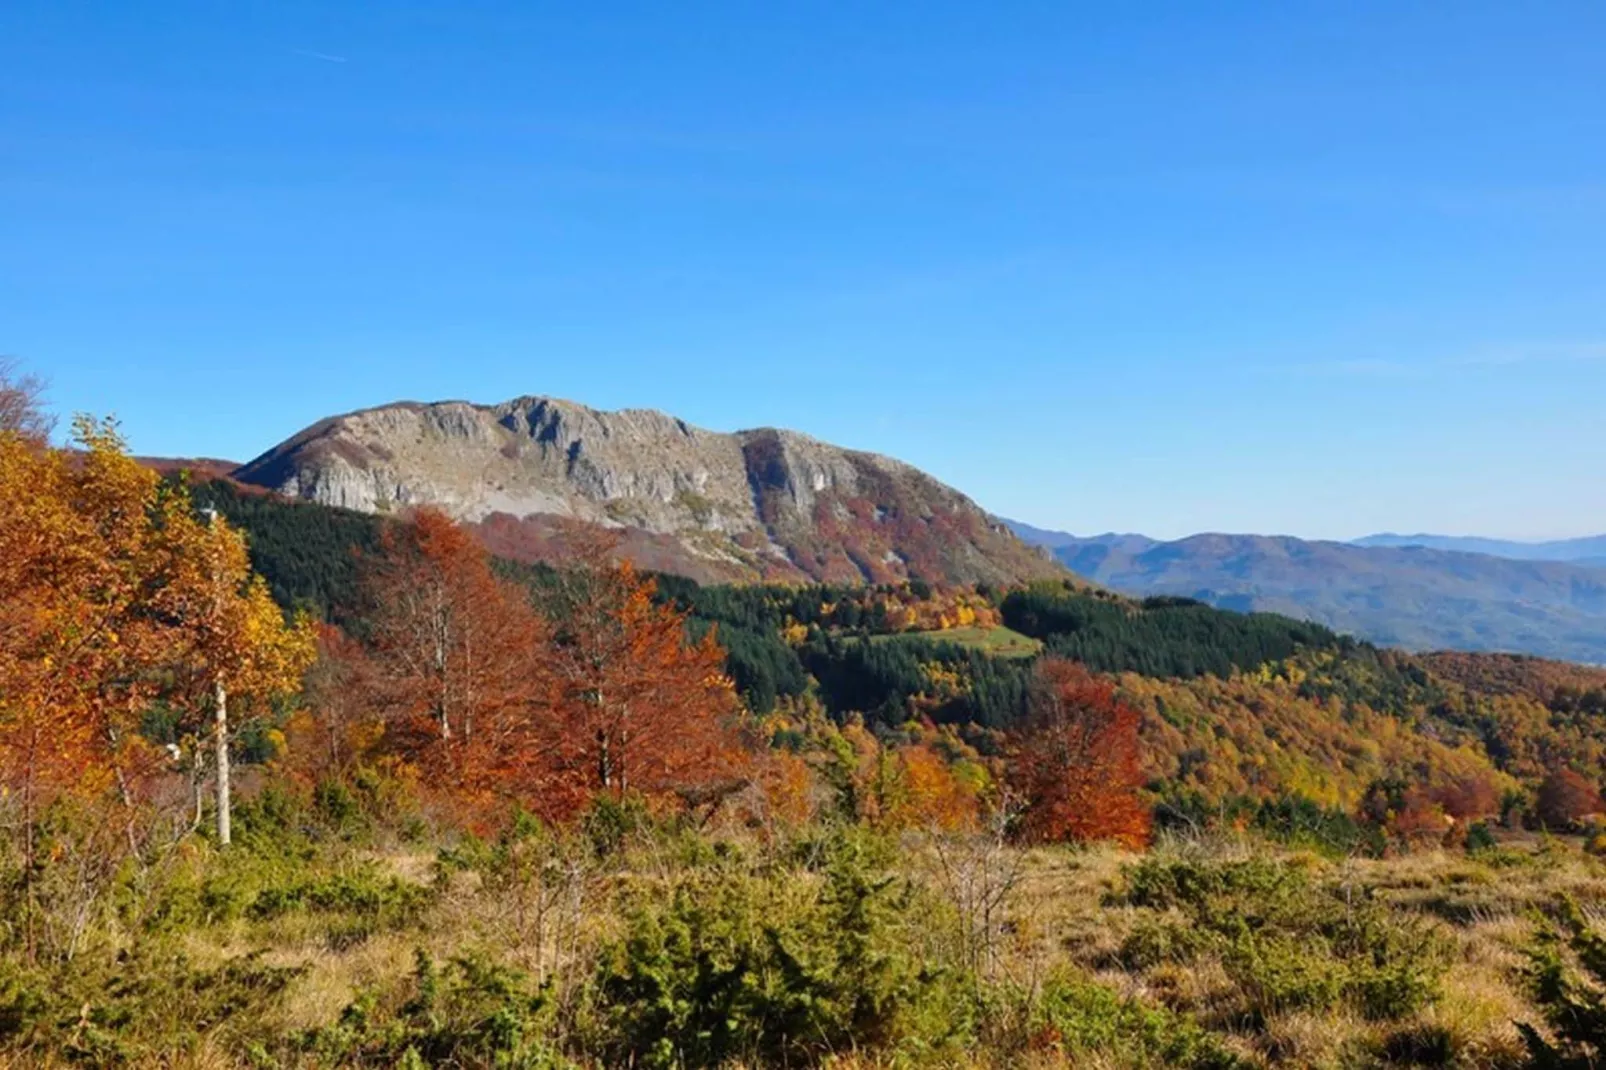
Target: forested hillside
[1237,707]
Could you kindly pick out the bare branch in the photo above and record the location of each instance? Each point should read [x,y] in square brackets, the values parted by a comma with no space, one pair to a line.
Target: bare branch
[22,402]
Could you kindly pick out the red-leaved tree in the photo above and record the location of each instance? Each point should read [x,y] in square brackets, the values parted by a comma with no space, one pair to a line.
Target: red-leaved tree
[642,706]
[457,664]
[1075,763]
[1565,798]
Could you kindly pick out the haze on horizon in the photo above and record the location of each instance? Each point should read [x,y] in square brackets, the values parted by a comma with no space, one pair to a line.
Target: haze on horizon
[1237,268]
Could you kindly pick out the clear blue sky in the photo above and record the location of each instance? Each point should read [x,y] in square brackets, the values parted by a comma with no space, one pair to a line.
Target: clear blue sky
[1320,269]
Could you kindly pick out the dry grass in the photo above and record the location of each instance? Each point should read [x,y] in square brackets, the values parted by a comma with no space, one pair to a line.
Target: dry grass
[1484,904]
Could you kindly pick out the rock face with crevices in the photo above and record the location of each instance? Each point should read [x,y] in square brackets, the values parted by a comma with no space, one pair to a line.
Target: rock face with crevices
[753,505]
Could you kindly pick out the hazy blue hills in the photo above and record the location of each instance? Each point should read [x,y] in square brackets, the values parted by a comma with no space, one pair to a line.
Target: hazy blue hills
[1591,549]
[1414,596]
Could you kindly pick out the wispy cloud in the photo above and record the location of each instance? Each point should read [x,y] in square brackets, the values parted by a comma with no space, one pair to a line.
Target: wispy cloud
[325,56]
[1532,354]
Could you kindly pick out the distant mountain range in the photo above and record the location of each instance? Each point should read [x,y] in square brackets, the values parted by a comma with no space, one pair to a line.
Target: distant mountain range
[1395,590]
[1590,550]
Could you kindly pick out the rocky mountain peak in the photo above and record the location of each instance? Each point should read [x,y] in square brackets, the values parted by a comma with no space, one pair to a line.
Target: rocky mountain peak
[756,504]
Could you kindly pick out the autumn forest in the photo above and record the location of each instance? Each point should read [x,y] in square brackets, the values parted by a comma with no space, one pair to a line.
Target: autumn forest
[283,785]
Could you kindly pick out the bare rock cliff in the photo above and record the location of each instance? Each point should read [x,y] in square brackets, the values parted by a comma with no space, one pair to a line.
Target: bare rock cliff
[763,504]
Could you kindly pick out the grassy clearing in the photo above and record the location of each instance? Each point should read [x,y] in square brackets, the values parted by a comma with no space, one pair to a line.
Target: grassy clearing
[998,642]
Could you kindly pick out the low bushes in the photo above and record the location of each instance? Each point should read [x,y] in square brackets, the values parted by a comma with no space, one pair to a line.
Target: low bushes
[631,938]
[1286,940]
[1566,977]
[469,1012]
[776,967]
[1078,1017]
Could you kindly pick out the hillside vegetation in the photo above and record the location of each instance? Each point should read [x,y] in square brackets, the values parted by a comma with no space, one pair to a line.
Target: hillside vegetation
[1236,706]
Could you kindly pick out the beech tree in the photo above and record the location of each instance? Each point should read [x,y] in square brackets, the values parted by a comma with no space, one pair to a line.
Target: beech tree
[1076,761]
[336,728]
[113,588]
[1470,797]
[71,542]
[1565,798]
[927,791]
[456,660]
[97,564]
[91,550]
[239,646]
[643,707]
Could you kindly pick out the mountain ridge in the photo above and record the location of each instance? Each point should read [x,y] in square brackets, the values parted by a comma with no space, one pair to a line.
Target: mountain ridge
[1591,548]
[758,504]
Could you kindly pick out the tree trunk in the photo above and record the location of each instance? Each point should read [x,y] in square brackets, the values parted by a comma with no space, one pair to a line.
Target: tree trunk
[440,677]
[198,788]
[222,740]
[604,764]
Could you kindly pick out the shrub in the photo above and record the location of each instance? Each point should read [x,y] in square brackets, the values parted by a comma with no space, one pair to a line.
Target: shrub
[609,823]
[141,1007]
[1281,972]
[1479,838]
[209,889]
[733,964]
[1286,942]
[1299,822]
[1566,977]
[1154,940]
[1079,1017]
[24,999]
[472,1013]
[384,901]
[1422,1044]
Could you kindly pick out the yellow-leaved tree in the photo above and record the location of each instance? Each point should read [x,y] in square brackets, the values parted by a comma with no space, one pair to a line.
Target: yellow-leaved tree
[239,648]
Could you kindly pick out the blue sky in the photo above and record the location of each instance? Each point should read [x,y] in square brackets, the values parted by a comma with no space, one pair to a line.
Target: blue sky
[1320,269]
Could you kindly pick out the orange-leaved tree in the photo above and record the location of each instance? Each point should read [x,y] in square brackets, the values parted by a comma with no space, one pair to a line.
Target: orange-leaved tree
[87,561]
[643,707]
[67,583]
[95,551]
[1076,762]
[925,790]
[457,663]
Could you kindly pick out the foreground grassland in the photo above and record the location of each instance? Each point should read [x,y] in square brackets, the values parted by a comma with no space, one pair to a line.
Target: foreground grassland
[318,941]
